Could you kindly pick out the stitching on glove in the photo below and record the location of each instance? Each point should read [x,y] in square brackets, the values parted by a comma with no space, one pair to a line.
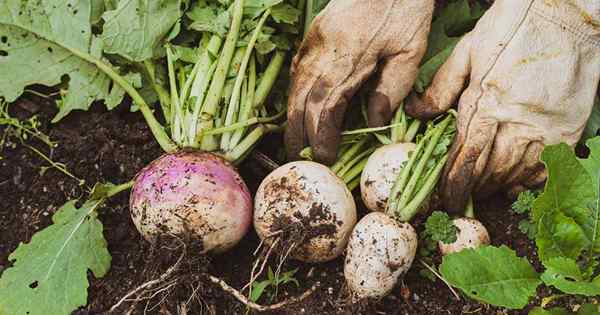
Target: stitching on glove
[580,29]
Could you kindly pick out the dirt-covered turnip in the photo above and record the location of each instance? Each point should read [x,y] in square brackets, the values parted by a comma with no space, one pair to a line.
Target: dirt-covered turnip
[308,207]
[380,250]
[380,173]
[471,234]
[194,193]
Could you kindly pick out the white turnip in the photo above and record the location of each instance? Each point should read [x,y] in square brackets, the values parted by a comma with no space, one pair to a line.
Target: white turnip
[380,173]
[194,193]
[471,234]
[380,250]
[309,207]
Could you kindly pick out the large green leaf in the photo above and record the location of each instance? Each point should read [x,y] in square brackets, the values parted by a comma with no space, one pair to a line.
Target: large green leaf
[136,27]
[494,275]
[563,211]
[565,275]
[49,274]
[39,44]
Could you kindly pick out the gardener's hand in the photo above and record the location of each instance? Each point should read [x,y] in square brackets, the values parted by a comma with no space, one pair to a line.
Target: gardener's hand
[532,69]
[348,42]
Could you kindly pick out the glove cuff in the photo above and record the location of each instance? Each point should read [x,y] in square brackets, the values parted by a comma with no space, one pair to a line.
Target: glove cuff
[580,17]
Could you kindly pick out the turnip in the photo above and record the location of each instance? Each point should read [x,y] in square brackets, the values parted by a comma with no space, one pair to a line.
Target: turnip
[308,203]
[379,251]
[380,173]
[214,108]
[372,269]
[471,234]
[192,192]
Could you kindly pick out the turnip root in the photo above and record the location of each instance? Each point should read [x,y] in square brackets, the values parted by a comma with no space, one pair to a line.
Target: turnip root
[194,193]
[380,250]
[309,206]
[471,234]
[380,173]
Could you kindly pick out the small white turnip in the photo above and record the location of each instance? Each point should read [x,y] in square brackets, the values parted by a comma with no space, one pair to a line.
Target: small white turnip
[380,174]
[471,234]
[194,193]
[380,250]
[309,207]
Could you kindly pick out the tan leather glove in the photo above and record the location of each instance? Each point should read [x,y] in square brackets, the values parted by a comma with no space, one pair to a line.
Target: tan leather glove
[531,70]
[348,42]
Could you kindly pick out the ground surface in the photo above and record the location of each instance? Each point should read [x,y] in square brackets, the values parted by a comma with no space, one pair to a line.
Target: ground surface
[112,146]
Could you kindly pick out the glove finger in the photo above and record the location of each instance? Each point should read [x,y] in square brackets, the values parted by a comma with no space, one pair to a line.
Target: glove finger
[534,182]
[508,161]
[446,86]
[326,106]
[304,76]
[468,157]
[397,78]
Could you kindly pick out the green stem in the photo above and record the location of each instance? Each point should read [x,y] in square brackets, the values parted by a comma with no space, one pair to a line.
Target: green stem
[308,17]
[400,121]
[246,110]
[355,161]
[244,124]
[412,131]
[268,78]
[163,96]
[407,194]
[353,184]
[58,166]
[355,171]
[348,155]
[403,177]
[176,110]
[369,130]
[157,129]
[249,142]
[210,107]
[470,209]
[407,212]
[234,102]
[119,188]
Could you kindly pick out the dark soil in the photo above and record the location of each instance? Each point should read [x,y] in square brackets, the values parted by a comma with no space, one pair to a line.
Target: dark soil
[101,146]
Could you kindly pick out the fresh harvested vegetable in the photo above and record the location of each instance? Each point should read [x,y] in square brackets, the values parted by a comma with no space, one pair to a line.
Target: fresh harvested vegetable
[380,173]
[471,234]
[305,204]
[379,251]
[192,192]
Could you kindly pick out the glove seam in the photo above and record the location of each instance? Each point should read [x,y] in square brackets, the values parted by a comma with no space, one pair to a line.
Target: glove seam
[579,30]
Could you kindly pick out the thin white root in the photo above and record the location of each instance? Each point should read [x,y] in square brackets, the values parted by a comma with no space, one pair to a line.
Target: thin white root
[441,278]
[148,284]
[257,307]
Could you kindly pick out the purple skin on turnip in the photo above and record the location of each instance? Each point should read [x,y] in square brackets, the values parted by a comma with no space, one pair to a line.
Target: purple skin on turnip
[194,194]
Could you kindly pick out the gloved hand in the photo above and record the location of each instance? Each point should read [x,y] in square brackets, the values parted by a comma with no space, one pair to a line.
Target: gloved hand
[532,69]
[347,42]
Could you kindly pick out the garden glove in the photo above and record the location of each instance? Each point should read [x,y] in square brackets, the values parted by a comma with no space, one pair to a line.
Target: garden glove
[349,41]
[531,71]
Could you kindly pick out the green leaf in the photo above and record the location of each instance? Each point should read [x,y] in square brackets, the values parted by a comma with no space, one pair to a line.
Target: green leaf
[135,28]
[258,288]
[285,13]
[49,274]
[254,8]
[562,213]
[550,311]
[565,275]
[589,309]
[212,18]
[40,44]
[524,202]
[440,227]
[592,165]
[493,275]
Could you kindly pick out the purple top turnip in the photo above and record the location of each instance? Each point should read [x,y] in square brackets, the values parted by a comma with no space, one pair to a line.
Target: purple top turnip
[195,193]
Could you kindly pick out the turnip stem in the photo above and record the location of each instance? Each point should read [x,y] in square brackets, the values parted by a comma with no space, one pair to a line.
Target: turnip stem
[353,184]
[119,188]
[234,102]
[268,78]
[400,125]
[246,110]
[244,124]
[308,17]
[355,161]
[176,110]
[412,131]
[355,171]
[470,209]
[339,164]
[369,130]
[403,177]
[407,193]
[210,107]
[157,129]
[163,95]
[406,213]
[248,142]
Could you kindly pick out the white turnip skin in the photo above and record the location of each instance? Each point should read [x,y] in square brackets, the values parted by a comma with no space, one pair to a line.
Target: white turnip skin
[194,193]
[307,197]
[380,250]
[471,234]
[380,174]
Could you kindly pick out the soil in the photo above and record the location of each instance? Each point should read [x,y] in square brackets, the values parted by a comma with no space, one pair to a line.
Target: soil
[100,146]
